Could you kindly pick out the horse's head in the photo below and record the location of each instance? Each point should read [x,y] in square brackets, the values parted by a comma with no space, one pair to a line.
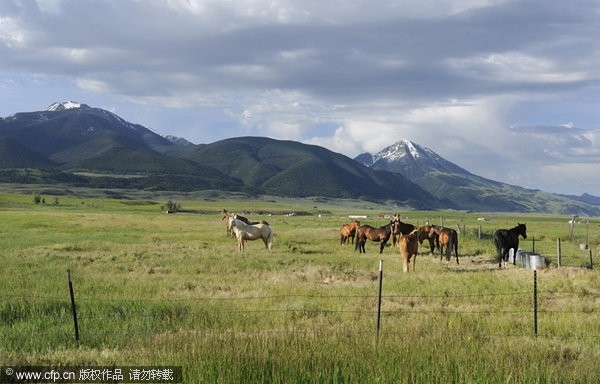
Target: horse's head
[434,231]
[224,214]
[395,225]
[522,230]
[422,233]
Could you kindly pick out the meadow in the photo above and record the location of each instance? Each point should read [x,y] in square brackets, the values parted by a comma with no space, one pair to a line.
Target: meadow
[156,289]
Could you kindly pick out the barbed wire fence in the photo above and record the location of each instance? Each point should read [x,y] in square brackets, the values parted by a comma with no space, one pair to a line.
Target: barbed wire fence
[519,304]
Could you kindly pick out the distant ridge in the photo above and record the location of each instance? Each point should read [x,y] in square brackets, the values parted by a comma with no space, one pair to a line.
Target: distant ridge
[449,182]
[178,140]
[69,139]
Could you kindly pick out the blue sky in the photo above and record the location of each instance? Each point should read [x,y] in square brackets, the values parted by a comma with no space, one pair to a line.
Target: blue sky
[509,90]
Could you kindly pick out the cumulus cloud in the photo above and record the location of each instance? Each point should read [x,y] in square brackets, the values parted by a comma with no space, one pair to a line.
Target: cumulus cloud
[479,81]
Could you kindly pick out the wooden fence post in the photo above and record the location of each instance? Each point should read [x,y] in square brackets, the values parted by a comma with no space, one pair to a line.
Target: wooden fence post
[479,232]
[73,309]
[591,261]
[558,251]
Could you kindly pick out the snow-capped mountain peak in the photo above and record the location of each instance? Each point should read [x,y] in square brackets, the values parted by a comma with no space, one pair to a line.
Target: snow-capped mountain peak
[399,150]
[409,159]
[64,106]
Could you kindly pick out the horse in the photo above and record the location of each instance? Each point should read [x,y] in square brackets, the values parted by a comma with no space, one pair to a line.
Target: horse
[505,239]
[225,215]
[381,234]
[424,233]
[408,245]
[447,237]
[348,231]
[400,228]
[245,220]
[245,232]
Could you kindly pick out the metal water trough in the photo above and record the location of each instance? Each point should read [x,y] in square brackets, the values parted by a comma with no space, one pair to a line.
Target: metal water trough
[530,260]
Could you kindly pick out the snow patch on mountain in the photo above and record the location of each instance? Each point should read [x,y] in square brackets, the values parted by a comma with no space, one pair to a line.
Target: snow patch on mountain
[409,159]
[63,106]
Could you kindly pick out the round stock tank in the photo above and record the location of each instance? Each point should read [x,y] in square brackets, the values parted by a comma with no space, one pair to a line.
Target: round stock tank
[531,260]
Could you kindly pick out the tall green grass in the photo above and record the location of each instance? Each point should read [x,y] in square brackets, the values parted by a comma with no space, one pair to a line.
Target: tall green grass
[165,289]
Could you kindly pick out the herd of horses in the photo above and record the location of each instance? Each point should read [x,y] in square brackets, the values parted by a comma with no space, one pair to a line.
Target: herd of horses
[405,236]
[245,229]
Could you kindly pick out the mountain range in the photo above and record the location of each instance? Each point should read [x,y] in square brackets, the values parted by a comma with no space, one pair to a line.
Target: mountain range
[445,179]
[77,145]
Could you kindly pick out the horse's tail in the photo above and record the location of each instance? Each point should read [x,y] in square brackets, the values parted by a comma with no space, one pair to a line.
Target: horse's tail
[497,244]
[270,239]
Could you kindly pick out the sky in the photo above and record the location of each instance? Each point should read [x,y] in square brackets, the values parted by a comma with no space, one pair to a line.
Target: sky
[509,90]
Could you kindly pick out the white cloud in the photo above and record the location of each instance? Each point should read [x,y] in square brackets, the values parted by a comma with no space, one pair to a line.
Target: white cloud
[479,81]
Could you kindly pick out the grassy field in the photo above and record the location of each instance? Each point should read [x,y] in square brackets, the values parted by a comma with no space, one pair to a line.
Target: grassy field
[171,289]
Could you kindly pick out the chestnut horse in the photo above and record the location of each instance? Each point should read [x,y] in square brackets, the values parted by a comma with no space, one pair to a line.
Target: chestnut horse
[447,237]
[348,231]
[381,234]
[425,233]
[408,245]
[505,239]
[400,228]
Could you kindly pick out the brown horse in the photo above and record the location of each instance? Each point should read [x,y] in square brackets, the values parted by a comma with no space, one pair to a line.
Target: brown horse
[348,231]
[400,228]
[447,237]
[425,233]
[408,245]
[381,234]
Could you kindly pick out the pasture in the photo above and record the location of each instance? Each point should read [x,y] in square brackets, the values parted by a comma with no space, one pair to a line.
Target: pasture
[172,289]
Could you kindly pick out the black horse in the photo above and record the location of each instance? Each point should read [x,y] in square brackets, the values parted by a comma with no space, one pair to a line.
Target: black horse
[505,239]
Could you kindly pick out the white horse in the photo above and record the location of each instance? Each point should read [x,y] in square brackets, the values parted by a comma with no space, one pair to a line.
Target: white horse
[245,232]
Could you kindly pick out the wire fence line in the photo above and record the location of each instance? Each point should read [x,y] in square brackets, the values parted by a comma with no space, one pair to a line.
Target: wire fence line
[130,303]
[95,311]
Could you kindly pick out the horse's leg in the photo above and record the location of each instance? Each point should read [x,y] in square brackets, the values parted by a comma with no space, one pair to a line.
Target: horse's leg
[414,260]
[405,262]
[505,256]
[456,250]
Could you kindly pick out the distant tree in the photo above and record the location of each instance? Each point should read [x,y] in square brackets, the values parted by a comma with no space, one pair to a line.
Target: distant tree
[173,207]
